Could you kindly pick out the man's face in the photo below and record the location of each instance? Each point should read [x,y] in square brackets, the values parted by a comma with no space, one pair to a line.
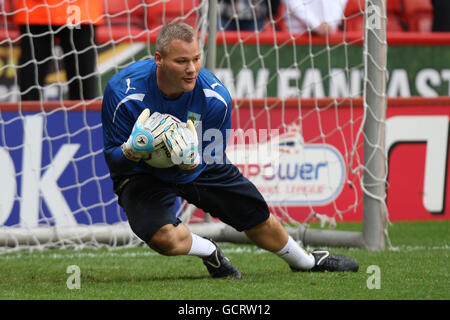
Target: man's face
[179,68]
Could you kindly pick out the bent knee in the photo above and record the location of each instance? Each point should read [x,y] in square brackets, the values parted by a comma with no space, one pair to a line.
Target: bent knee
[171,240]
[270,223]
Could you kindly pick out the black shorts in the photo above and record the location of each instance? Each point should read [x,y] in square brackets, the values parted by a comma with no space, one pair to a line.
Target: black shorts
[220,190]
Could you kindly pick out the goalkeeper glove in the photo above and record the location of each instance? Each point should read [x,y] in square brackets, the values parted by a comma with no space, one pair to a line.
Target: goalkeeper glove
[140,141]
[147,134]
[182,143]
[158,124]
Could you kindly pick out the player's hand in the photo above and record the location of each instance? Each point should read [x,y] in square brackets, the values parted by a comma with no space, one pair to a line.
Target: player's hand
[182,143]
[140,142]
[158,124]
[147,134]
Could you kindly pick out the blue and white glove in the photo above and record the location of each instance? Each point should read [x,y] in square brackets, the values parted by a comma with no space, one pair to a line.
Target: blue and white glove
[182,143]
[158,124]
[147,134]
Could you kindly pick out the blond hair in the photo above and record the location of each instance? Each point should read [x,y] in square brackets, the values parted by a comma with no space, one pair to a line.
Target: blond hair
[172,31]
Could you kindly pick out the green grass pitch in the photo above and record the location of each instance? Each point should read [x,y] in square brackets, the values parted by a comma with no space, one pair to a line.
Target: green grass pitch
[416,268]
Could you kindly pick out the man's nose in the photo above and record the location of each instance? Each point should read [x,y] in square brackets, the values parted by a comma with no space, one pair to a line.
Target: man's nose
[190,68]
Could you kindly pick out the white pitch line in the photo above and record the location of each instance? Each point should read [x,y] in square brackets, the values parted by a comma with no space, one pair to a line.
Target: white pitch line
[246,249]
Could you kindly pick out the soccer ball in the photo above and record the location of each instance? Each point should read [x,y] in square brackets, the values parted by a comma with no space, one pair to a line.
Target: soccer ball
[160,158]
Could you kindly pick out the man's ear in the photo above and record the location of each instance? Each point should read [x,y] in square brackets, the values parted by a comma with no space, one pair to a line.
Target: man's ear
[158,58]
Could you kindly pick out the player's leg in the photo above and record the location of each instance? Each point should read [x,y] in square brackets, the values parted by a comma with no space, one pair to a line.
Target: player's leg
[80,61]
[222,191]
[226,194]
[270,235]
[177,239]
[150,211]
[151,214]
[35,47]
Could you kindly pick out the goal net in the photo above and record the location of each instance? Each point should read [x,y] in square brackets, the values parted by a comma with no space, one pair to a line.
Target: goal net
[313,96]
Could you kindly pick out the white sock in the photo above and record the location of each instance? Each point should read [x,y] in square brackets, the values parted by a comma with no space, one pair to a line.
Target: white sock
[201,247]
[296,256]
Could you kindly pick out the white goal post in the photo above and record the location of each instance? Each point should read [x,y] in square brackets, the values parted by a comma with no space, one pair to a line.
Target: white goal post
[324,96]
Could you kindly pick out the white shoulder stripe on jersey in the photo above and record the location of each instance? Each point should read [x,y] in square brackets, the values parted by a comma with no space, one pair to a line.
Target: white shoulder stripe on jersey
[135,96]
[212,93]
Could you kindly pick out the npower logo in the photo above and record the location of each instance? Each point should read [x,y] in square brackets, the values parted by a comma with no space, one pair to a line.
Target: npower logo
[287,171]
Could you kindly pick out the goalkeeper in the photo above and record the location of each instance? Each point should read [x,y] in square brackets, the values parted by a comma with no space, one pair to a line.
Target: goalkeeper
[153,106]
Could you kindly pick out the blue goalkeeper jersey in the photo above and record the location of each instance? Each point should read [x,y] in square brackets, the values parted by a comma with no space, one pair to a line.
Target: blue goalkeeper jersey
[133,89]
